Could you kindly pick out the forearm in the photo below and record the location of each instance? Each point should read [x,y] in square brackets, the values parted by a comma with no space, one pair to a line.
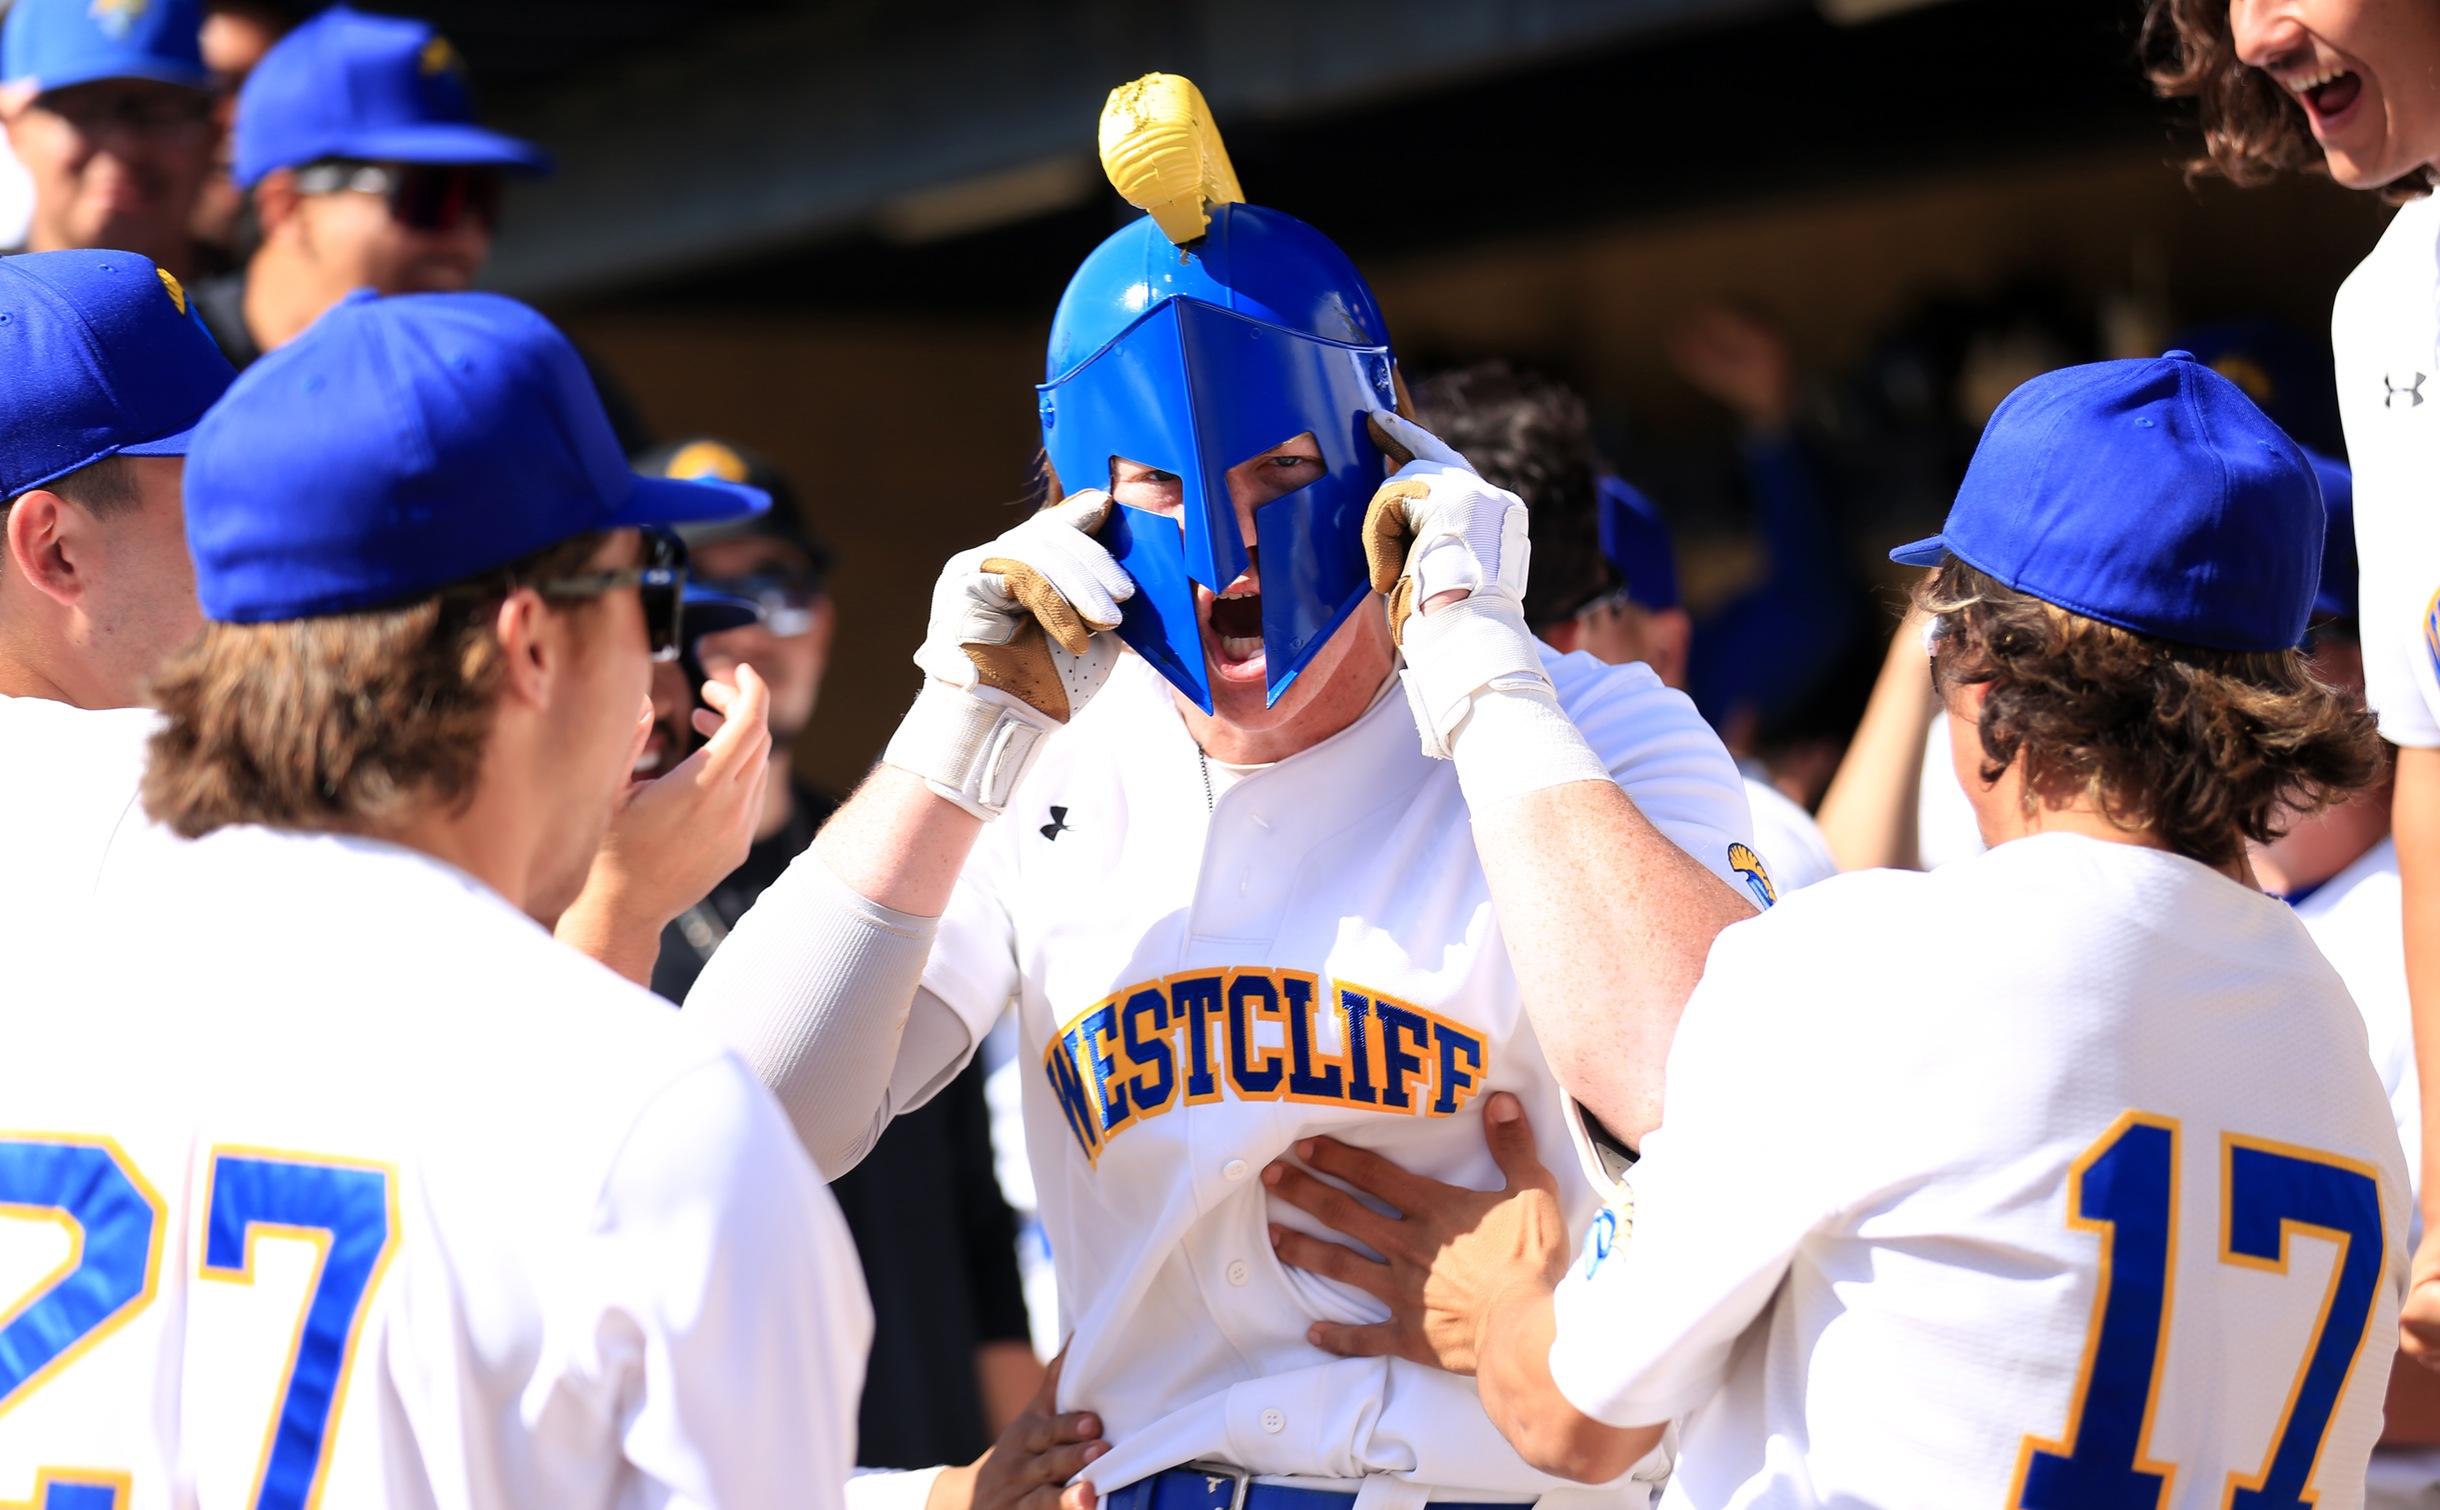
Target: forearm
[898,843]
[1607,924]
[2415,819]
[595,924]
[1524,1401]
[1869,815]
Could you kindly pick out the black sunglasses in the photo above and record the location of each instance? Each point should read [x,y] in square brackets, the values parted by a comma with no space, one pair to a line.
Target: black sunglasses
[660,584]
[421,196]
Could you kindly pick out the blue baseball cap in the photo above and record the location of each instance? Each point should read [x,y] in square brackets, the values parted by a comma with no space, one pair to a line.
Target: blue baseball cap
[2149,494]
[56,44]
[2337,598]
[377,88]
[100,355]
[711,611]
[401,445]
[1636,540]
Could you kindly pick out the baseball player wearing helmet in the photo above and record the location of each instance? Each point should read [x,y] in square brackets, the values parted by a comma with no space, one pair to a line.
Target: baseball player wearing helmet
[2058,1177]
[1235,866]
[358,1188]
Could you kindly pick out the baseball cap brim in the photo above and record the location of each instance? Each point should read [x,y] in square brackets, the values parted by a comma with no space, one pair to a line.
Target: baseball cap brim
[666,500]
[1929,552]
[710,612]
[446,143]
[158,70]
[173,444]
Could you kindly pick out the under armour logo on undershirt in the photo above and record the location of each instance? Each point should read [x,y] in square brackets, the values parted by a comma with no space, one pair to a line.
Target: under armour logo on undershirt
[2394,390]
[1057,826]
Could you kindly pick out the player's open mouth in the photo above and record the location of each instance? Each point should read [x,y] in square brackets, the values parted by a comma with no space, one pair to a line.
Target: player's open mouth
[656,750]
[2326,95]
[1236,634]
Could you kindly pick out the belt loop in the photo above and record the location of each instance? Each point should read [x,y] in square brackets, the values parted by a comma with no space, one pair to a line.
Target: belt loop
[1382,1492]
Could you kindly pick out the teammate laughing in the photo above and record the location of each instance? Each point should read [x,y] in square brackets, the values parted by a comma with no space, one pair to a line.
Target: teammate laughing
[1244,889]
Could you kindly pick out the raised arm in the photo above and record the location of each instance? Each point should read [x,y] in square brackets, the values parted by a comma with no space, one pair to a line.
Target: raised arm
[817,986]
[1870,814]
[1607,922]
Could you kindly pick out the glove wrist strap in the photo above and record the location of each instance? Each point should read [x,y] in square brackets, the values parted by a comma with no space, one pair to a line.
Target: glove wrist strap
[972,747]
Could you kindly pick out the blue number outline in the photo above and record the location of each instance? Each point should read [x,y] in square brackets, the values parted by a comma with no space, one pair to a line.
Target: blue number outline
[77,1215]
[2357,1267]
[2037,1453]
[78,1489]
[297,1427]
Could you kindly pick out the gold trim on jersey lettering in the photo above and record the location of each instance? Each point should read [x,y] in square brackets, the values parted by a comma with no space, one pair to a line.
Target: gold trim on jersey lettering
[321,1239]
[120,1483]
[2288,1228]
[2065,1445]
[1241,1025]
[1131,1055]
[1305,1062]
[76,1257]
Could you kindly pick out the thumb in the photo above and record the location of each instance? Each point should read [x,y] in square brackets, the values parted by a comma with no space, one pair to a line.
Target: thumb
[1084,509]
[1510,1135]
[1046,1398]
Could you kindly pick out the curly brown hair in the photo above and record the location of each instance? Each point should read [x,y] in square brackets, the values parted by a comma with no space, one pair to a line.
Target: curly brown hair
[322,724]
[2204,748]
[2252,130]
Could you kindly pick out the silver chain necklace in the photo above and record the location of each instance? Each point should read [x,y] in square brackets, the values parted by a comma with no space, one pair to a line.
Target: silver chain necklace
[1210,804]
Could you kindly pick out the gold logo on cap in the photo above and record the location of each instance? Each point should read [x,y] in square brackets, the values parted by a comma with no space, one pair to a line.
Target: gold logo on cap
[706,458]
[438,56]
[117,18]
[177,293]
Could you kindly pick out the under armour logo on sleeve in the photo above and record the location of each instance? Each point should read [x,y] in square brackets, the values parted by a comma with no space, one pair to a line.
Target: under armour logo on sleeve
[2393,390]
[1057,826]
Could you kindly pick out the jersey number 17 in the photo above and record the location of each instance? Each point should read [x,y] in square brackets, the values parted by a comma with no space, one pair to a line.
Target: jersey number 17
[2124,1188]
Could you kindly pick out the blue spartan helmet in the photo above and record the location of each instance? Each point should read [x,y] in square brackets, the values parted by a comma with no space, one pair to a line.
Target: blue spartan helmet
[1195,359]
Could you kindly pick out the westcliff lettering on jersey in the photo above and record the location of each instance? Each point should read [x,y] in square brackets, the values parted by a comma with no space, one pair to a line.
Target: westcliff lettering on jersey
[1199,1037]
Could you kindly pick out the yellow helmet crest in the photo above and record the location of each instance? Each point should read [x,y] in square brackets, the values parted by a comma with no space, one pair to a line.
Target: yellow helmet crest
[1164,155]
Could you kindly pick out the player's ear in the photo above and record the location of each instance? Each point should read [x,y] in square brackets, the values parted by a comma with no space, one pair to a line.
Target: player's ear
[529,651]
[275,200]
[45,546]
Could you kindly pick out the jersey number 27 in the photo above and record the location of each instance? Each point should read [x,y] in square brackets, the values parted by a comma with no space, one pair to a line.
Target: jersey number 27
[347,1210]
[2124,1188]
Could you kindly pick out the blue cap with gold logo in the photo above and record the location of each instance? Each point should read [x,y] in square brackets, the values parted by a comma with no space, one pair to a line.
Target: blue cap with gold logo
[99,357]
[374,88]
[56,44]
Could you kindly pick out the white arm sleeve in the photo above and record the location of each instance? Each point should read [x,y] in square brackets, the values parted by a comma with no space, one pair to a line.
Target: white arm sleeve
[816,989]
[728,1321]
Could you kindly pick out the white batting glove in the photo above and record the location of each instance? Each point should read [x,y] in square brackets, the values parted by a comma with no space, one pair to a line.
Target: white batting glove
[1473,671]
[1019,642]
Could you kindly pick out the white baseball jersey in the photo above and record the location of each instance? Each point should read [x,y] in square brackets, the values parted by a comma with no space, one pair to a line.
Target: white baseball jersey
[332,1179]
[2357,919]
[1945,826]
[2385,334]
[72,811]
[1790,842]
[2057,1178]
[1208,965]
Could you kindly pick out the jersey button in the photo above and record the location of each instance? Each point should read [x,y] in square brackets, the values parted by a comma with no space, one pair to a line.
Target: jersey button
[1238,1273]
[1234,1169]
[1275,1420]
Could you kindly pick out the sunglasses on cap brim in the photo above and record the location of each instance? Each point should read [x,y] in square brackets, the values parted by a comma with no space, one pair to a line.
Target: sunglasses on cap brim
[421,196]
[660,584]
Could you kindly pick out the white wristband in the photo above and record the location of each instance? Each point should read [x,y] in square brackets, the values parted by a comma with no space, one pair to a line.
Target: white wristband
[972,746]
[1515,741]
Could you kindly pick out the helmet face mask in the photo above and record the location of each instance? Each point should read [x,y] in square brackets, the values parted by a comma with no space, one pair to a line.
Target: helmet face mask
[1196,388]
